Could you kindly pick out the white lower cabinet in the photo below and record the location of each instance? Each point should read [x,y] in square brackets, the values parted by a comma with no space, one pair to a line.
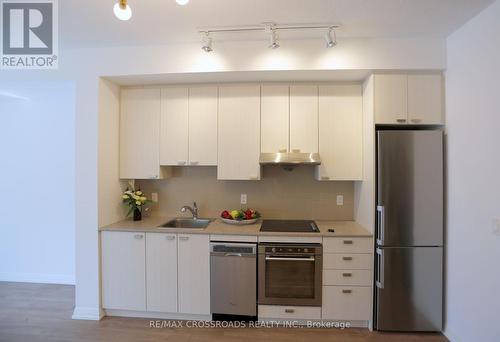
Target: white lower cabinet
[156,272]
[193,273]
[123,270]
[161,272]
[350,303]
[347,279]
[267,312]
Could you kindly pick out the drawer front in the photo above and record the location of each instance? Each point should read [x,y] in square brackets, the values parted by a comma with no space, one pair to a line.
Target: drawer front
[347,277]
[346,261]
[347,245]
[289,312]
[346,303]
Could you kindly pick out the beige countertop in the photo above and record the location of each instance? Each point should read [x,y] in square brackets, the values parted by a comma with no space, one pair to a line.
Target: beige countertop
[151,224]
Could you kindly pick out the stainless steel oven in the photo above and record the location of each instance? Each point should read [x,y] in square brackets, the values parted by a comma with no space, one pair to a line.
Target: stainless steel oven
[290,274]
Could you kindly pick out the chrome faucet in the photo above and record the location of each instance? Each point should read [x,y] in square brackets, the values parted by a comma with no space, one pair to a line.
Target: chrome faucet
[193,210]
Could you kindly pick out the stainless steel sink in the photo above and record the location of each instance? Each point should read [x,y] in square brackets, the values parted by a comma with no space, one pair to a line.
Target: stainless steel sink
[187,223]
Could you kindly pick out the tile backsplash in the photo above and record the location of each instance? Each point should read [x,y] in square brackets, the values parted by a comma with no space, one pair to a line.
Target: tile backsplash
[280,194]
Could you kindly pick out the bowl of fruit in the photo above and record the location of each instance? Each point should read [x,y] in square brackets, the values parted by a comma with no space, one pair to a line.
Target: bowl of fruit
[240,216]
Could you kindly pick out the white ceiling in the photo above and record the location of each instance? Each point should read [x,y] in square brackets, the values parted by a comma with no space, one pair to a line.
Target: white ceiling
[91,23]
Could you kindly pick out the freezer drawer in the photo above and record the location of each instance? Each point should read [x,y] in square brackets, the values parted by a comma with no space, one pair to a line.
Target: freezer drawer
[409,289]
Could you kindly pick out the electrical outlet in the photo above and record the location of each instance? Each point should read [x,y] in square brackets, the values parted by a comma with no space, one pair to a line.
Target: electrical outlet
[340,199]
[243,199]
[154,197]
[496,226]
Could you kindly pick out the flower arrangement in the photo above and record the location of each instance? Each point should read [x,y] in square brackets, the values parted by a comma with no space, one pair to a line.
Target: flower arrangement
[134,199]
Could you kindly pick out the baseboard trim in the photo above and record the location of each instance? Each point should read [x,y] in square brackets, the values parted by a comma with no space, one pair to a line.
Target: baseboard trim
[450,335]
[89,314]
[157,315]
[38,278]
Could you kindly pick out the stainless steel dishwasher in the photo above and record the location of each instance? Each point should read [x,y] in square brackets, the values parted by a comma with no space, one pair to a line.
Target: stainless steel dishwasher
[233,275]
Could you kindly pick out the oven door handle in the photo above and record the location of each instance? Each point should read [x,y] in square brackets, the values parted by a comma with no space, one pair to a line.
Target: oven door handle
[290,259]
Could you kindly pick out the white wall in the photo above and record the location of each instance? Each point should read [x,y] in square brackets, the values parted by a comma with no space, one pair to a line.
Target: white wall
[473,189]
[86,65]
[37,222]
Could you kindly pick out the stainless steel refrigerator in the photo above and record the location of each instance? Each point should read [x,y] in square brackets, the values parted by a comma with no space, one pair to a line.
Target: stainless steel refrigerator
[409,231]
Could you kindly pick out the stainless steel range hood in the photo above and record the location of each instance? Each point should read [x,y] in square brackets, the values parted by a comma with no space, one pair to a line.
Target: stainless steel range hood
[290,160]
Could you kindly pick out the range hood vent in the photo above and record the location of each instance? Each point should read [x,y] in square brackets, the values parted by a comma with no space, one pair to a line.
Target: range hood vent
[290,160]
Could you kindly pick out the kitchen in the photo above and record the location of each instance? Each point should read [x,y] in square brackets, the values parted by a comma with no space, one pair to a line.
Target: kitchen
[306,258]
[250,170]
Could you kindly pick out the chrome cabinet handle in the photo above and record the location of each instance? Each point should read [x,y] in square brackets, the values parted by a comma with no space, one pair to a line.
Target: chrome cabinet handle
[183,238]
[347,274]
[232,255]
[380,269]
[347,258]
[347,242]
[416,120]
[346,291]
[282,150]
[381,224]
[289,310]
[401,120]
[194,163]
[181,163]
[171,237]
[296,150]
[138,236]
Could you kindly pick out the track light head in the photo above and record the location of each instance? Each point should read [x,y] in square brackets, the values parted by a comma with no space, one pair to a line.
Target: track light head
[331,42]
[207,43]
[122,10]
[274,39]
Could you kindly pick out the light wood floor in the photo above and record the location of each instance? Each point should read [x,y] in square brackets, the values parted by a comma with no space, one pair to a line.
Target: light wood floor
[38,312]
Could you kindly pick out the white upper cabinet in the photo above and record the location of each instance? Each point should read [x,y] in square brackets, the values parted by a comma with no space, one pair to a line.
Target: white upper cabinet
[140,134]
[161,272]
[194,273]
[409,99]
[275,114]
[123,270]
[340,132]
[203,126]
[304,118]
[174,126]
[239,132]
[391,99]
[425,98]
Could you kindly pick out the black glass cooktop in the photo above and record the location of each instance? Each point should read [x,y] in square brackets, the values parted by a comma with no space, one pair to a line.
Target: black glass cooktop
[289,226]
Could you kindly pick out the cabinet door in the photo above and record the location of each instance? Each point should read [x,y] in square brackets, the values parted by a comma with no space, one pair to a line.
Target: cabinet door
[304,118]
[391,99]
[194,273]
[425,97]
[140,134]
[123,270]
[239,133]
[161,272]
[203,126]
[340,132]
[346,303]
[275,113]
[174,126]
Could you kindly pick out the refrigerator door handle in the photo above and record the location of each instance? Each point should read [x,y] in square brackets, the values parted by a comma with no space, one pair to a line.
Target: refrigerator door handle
[379,282]
[380,224]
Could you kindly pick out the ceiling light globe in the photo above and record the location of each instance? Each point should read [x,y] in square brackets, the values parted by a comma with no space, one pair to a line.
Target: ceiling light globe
[182,2]
[122,13]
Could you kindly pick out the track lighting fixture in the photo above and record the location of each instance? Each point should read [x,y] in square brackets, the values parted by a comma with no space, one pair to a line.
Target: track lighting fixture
[331,42]
[271,29]
[122,10]
[207,43]
[274,39]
